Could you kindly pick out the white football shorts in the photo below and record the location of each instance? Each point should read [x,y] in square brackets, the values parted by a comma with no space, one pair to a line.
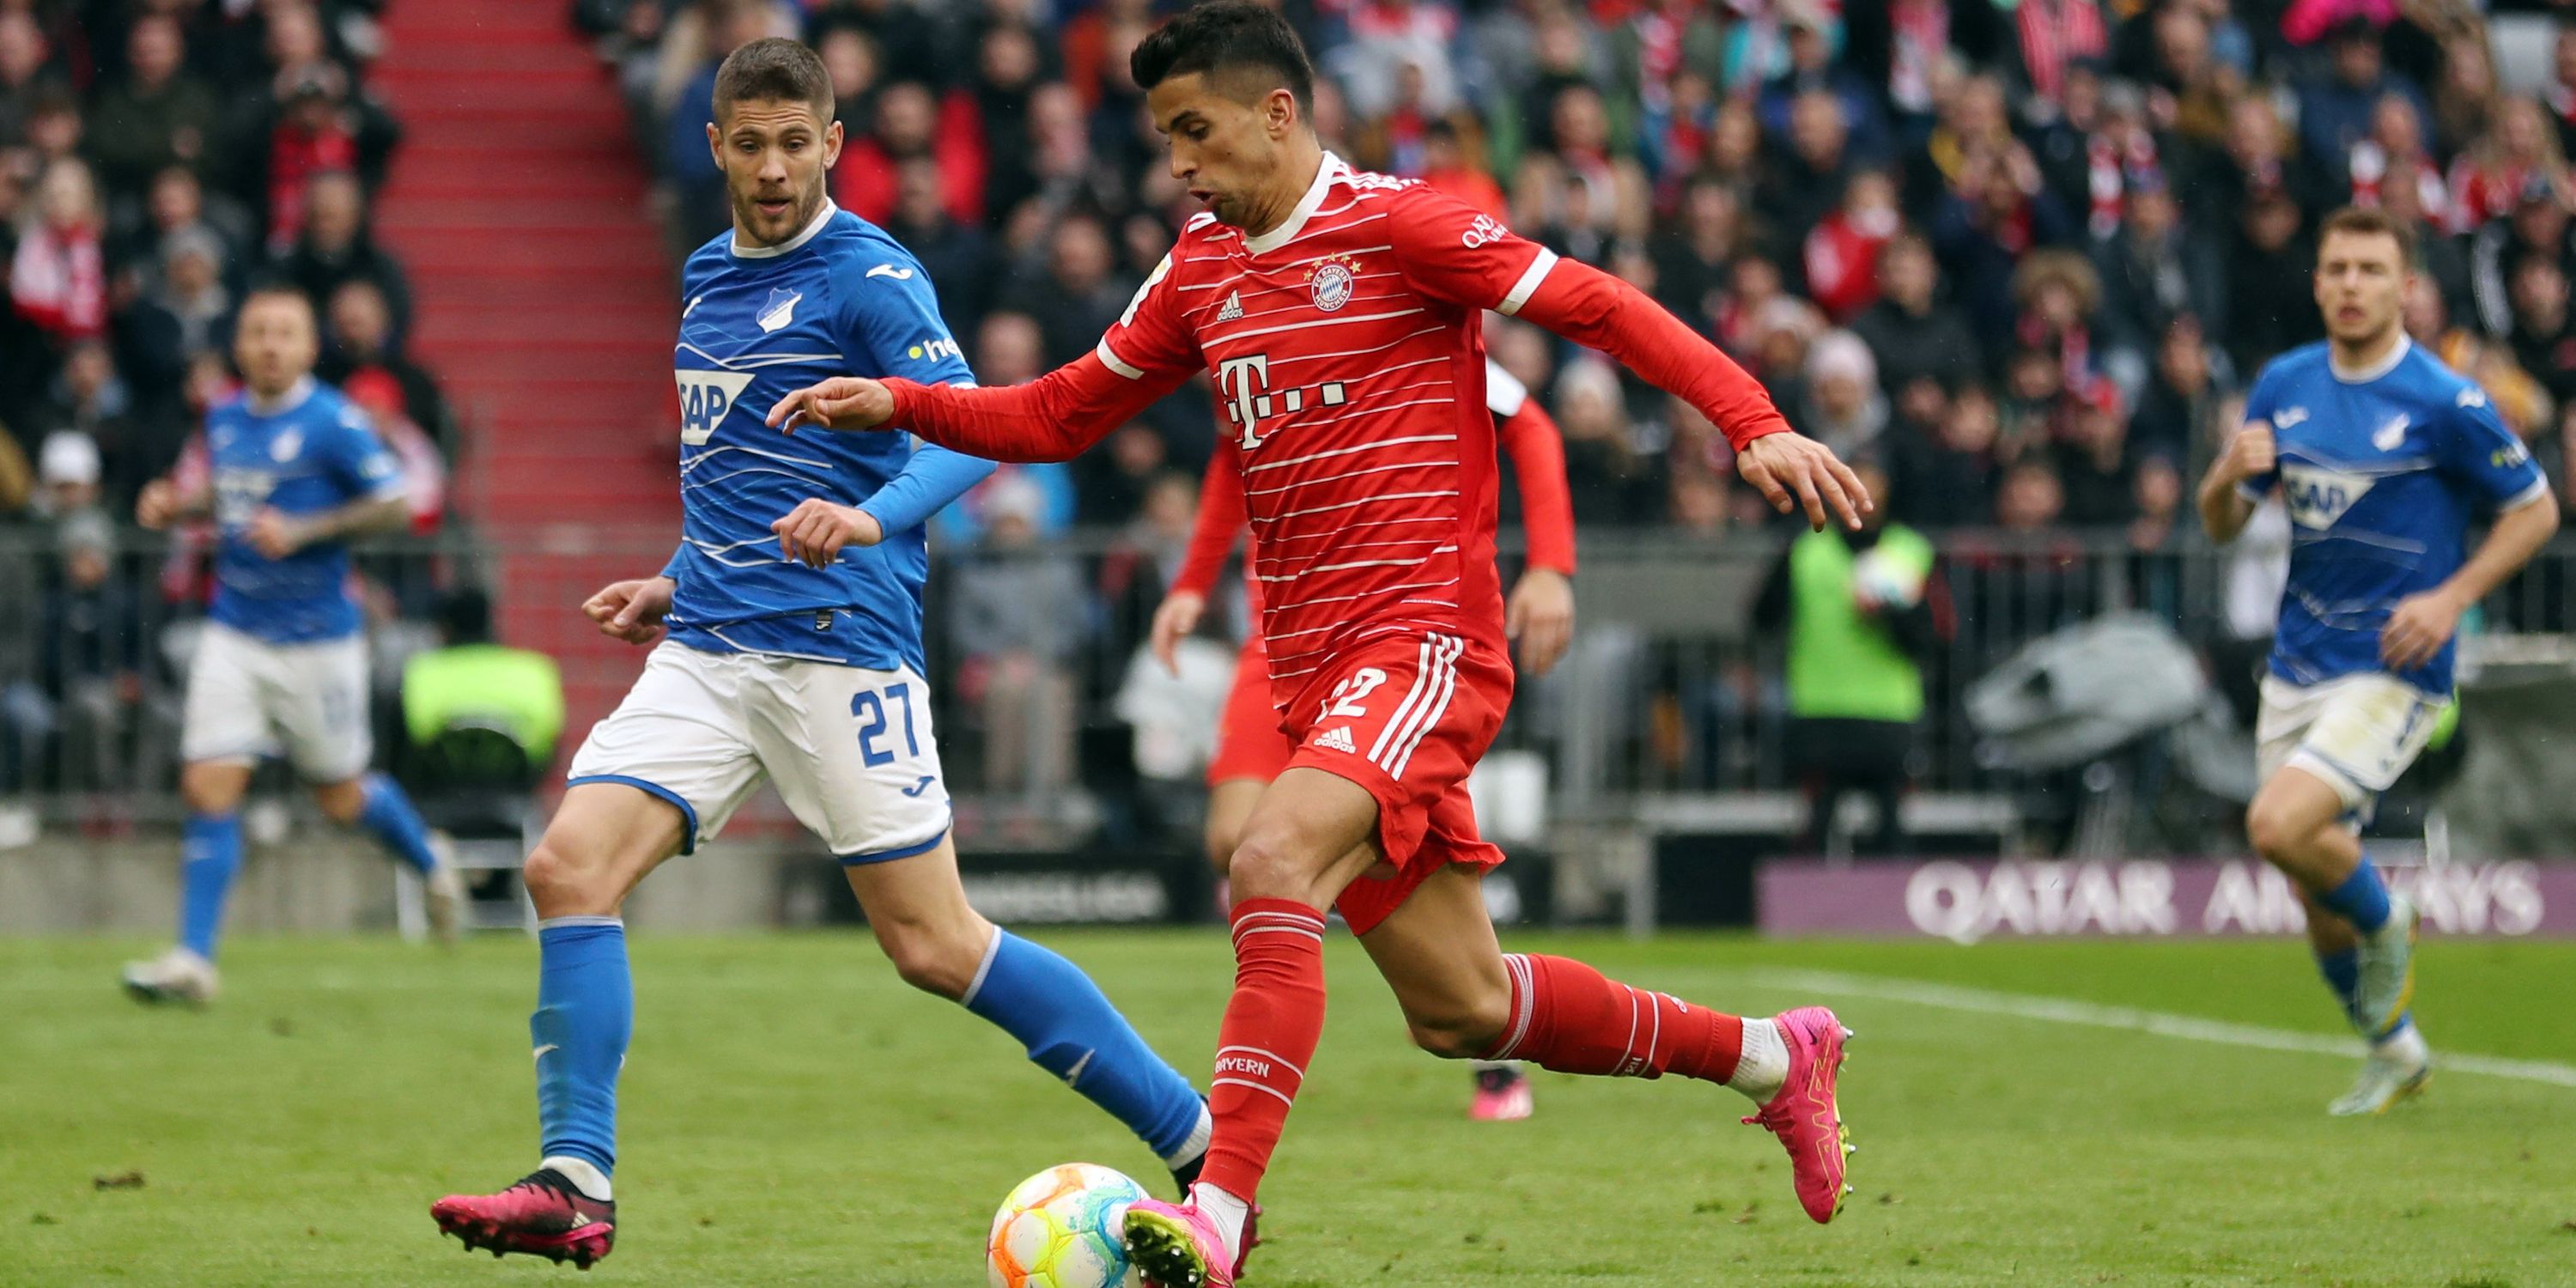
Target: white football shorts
[850,749]
[249,699]
[2356,733]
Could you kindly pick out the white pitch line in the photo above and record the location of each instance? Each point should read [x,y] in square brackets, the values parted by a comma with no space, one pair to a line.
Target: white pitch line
[2064,1010]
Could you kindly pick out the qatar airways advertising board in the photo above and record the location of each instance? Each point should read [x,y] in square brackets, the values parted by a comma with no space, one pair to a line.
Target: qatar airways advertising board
[1969,901]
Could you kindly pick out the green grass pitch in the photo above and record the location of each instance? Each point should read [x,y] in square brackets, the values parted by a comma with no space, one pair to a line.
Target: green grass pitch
[794,1115]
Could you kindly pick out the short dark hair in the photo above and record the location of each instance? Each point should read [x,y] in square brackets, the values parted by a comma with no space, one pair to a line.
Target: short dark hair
[281,288]
[465,615]
[2370,221]
[1226,36]
[774,68]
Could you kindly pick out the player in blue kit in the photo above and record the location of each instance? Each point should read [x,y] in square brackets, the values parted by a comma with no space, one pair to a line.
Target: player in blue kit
[280,666]
[2384,457]
[789,649]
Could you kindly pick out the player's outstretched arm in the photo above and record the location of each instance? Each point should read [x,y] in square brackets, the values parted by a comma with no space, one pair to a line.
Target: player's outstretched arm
[1055,417]
[277,534]
[2228,491]
[162,503]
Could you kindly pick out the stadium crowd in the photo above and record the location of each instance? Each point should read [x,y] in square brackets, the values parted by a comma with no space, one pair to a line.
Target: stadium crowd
[2023,255]
[157,157]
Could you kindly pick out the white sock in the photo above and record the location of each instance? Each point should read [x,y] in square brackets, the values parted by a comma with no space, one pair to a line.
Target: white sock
[1764,1065]
[1196,1145]
[2404,1048]
[592,1182]
[1226,1210]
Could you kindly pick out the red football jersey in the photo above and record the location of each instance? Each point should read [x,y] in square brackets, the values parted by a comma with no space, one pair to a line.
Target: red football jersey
[1348,350]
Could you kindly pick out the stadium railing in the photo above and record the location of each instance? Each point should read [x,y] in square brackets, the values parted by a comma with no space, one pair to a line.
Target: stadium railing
[1669,704]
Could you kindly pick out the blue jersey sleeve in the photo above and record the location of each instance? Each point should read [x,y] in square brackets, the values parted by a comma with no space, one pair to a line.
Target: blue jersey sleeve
[2475,449]
[358,461]
[892,317]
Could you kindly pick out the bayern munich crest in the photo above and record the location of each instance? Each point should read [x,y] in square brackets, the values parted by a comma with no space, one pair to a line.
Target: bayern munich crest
[1332,284]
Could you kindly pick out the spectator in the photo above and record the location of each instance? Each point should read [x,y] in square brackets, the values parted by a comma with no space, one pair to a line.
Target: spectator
[2560,93]
[424,470]
[178,202]
[191,292]
[1859,614]
[2491,175]
[157,116]
[359,336]
[1911,333]
[952,251]
[335,248]
[1008,351]
[1694,253]
[2465,102]
[2154,271]
[1077,297]
[1948,480]
[1007,73]
[58,278]
[2538,225]
[1612,483]
[2271,304]
[1997,215]
[26,78]
[2031,499]
[912,123]
[1841,254]
[2095,469]
[92,402]
[1451,163]
[1811,178]
[2336,110]
[1812,69]
[2542,341]
[89,664]
[68,474]
[2177,414]
[2256,162]
[2393,155]
[2053,34]
[1018,612]
[1844,408]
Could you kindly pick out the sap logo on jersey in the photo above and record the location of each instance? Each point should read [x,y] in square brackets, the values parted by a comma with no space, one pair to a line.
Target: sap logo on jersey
[934,349]
[2319,497]
[705,397]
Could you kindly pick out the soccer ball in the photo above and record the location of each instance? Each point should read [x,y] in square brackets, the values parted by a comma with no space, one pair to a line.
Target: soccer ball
[1063,1228]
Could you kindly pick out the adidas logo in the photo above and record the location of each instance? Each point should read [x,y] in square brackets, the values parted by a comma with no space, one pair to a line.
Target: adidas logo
[1337,740]
[1232,311]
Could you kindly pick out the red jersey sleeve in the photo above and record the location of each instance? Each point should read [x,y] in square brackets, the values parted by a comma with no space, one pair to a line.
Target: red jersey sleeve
[1547,504]
[1055,417]
[1452,252]
[1220,520]
[1150,339]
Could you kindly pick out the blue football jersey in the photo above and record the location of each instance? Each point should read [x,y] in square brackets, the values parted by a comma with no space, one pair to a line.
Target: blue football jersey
[2382,475]
[315,451]
[841,299]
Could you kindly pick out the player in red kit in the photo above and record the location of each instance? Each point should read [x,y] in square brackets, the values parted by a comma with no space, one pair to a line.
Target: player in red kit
[1252,749]
[1341,316]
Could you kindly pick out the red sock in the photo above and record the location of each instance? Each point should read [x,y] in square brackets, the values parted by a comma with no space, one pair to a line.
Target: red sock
[1566,1017]
[1271,1026]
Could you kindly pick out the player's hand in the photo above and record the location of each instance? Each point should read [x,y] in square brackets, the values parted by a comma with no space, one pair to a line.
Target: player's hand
[273,534]
[1793,471]
[1177,617]
[631,610]
[2252,453]
[158,505]
[1540,616]
[842,402]
[814,533]
[2418,628]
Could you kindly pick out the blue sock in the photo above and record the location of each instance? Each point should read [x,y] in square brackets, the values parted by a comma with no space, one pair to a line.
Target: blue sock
[1073,1032]
[388,813]
[2343,974]
[585,1013]
[2362,899]
[211,854]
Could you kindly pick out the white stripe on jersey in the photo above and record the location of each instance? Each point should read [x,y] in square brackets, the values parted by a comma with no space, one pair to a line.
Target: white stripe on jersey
[1268,609]
[1338,532]
[1346,451]
[713,452]
[1109,358]
[1356,563]
[1528,285]
[1336,478]
[1356,412]
[1212,341]
[1366,500]
[1286,358]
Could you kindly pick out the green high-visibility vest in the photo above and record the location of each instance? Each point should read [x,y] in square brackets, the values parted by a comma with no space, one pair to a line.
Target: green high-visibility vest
[509,689]
[1844,664]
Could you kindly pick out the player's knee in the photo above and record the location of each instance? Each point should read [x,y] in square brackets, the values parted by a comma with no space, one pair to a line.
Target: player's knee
[1221,841]
[934,959]
[211,787]
[562,882]
[1466,1030]
[342,803]
[2275,832]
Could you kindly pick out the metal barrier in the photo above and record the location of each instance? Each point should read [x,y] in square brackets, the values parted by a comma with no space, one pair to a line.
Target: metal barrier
[1668,691]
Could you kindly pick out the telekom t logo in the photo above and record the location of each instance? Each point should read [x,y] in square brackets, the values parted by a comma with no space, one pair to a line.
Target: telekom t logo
[1244,388]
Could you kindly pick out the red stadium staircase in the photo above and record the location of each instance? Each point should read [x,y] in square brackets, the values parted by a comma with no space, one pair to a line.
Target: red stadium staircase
[545,305]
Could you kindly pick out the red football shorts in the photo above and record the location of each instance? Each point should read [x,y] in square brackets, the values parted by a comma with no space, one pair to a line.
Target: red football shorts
[1406,716]
[1249,743]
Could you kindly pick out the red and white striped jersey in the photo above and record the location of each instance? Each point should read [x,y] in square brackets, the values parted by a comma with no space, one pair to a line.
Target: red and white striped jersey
[1347,347]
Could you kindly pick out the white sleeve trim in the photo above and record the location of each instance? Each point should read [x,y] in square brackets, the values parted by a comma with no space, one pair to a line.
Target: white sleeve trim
[1528,285]
[1109,358]
[2538,491]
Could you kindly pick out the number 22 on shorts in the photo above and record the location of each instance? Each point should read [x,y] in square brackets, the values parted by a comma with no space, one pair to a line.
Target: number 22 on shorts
[1350,697]
[870,710]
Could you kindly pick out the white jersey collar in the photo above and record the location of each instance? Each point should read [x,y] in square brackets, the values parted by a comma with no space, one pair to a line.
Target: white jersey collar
[2396,354]
[821,217]
[1325,173]
[290,400]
